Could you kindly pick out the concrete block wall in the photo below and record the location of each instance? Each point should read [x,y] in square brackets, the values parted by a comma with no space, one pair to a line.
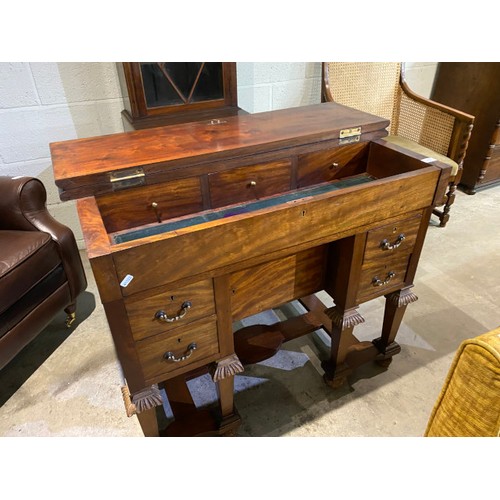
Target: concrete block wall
[42,103]
[268,86]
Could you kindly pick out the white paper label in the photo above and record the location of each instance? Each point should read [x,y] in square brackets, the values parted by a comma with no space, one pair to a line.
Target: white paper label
[126,281]
[429,160]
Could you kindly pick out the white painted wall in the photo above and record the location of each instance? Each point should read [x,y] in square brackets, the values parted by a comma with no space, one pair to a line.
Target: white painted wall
[42,103]
[420,76]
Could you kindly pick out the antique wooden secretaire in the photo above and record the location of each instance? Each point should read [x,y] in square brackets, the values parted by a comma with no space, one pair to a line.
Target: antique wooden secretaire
[191,227]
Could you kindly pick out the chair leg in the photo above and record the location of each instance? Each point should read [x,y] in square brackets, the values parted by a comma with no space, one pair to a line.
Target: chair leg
[444,214]
[70,314]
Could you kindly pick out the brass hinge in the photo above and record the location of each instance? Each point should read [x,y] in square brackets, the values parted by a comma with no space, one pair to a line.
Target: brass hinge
[349,132]
[349,135]
[127,178]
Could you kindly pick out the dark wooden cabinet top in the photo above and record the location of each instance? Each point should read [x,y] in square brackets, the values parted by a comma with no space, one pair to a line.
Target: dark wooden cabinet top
[84,161]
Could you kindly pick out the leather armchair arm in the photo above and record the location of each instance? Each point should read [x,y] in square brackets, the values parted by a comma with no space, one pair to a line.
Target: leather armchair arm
[23,208]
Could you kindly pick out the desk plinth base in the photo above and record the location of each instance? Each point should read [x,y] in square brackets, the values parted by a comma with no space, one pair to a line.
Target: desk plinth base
[384,358]
[203,423]
[359,353]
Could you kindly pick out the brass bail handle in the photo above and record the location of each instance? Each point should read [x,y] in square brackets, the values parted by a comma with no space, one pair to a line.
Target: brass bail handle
[385,245]
[163,316]
[170,356]
[378,282]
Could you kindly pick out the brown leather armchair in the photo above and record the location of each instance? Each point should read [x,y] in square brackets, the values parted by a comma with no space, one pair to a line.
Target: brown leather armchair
[41,271]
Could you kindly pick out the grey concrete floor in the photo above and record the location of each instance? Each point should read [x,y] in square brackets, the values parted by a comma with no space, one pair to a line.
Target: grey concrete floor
[68,383]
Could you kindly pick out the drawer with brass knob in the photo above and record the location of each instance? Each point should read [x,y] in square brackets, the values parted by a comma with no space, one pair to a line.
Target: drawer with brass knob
[327,165]
[150,204]
[249,183]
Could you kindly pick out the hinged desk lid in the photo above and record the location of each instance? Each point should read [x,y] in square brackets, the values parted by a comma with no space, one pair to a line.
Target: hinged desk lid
[83,167]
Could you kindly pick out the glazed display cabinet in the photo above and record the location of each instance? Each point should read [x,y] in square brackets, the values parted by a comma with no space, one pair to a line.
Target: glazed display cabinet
[163,93]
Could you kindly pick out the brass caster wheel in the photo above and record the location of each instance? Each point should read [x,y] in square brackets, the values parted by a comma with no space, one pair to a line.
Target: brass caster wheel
[70,319]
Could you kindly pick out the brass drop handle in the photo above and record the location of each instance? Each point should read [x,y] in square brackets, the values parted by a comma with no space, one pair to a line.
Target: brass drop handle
[163,316]
[378,282]
[385,245]
[170,356]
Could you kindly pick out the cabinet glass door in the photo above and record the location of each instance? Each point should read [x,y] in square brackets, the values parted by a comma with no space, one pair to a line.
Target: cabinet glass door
[180,83]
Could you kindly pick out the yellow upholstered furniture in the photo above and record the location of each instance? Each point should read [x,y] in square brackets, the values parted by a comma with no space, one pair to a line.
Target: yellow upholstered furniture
[469,403]
[417,123]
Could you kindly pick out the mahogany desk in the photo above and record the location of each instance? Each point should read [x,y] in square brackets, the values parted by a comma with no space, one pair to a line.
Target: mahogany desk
[191,227]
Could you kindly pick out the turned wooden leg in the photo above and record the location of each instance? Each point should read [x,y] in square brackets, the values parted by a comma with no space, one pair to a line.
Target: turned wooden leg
[444,214]
[450,199]
[395,307]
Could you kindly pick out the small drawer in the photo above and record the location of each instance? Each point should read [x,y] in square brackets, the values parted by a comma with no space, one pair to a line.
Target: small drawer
[398,237]
[172,351]
[170,309]
[381,276]
[249,183]
[148,204]
[330,164]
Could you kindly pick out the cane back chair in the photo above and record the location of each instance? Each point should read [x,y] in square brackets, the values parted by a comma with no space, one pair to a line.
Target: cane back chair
[417,123]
